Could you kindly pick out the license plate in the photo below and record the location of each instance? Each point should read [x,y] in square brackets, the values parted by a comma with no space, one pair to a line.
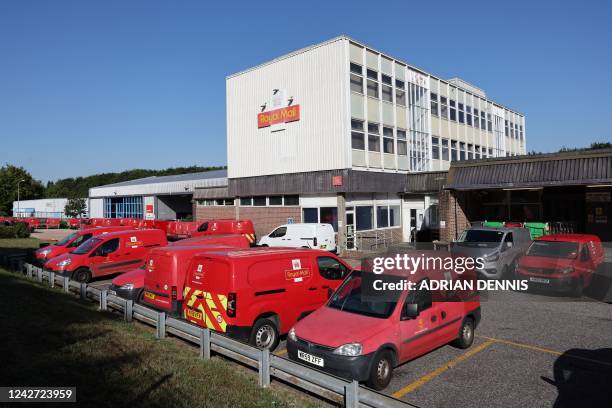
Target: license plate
[539,280]
[193,314]
[112,292]
[149,295]
[309,358]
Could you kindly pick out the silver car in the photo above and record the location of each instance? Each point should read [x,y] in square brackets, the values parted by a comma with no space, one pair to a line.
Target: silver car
[500,248]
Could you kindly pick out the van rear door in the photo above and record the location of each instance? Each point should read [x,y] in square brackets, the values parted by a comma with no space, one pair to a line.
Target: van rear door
[159,279]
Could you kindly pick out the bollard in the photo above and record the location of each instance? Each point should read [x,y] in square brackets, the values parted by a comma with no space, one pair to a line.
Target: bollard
[52,279]
[351,395]
[83,291]
[264,368]
[103,301]
[39,274]
[161,325]
[66,284]
[128,312]
[205,344]
[29,270]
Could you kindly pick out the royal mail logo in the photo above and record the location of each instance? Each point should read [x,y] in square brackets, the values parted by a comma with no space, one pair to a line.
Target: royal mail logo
[297,275]
[280,109]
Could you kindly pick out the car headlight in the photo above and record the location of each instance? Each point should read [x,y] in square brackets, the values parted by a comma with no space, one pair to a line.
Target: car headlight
[127,286]
[492,257]
[350,349]
[291,335]
[567,270]
[45,252]
[64,262]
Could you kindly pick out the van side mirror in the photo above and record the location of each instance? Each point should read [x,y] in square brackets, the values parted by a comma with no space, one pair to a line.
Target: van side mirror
[411,311]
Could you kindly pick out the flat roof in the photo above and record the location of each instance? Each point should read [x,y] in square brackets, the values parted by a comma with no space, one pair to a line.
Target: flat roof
[171,179]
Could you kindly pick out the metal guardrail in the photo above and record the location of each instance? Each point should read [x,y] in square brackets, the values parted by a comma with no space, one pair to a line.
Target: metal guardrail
[268,365]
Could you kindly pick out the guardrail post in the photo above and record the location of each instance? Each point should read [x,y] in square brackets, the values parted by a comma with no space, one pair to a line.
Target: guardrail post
[128,312]
[20,263]
[205,344]
[83,291]
[351,395]
[66,284]
[103,301]
[52,279]
[39,274]
[264,368]
[29,270]
[161,325]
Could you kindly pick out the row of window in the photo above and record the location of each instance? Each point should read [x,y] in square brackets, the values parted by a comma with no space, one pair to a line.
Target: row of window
[514,131]
[444,149]
[215,202]
[358,138]
[366,217]
[449,109]
[277,200]
[378,85]
[123,207]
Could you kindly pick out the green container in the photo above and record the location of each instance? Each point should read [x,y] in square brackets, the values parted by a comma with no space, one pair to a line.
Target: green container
[493,224]
[537,229]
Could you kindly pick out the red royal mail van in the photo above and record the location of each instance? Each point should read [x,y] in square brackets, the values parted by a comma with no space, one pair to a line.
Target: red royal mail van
[257,294]
[363,337]
[131,285]
[561,262]
[112,253]
[226,226]
[70,242]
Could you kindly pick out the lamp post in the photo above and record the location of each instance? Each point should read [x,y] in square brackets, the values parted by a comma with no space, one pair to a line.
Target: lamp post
[19,182]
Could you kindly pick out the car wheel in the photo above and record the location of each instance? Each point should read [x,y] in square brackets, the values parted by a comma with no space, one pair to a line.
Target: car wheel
[381,371]
[140,296]
[466,334]
[264,245]
[264,334]
[81,275]
[577,290]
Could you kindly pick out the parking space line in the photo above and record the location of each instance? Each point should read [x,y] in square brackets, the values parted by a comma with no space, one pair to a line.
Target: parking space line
[450,364]
[542,349]
[281,353]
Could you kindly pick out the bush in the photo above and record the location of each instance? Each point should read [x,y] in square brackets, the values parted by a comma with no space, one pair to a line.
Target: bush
[63,224]
[18,230]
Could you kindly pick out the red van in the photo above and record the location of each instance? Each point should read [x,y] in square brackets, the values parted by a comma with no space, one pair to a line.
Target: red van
[363,338]
[131,285]
[112,253]
[561,262]
[257,294]
[226,226]
[70,242]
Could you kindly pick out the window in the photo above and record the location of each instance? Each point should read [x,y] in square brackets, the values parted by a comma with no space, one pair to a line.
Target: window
[421,297]
[490,152]
[506,128]
[356,78]
[310,215]
[521,130]
[372,83]
[483,121]
[402,147]
[330,268]
[489,123]
[80,240]
[246,201]
[373,137]
[468,115]
[477,152]
[108,247]
[434,104]
[461,151]
[292,200]
[203,227]
[453,110]
[461,114]
[443,108]
[388,140]
[387,88]
[435,148]
[275,200]
[259,201]
[327,215]
[453,150]
[511,130]
[400,93]
[470,151]
[445,149]
[363,218]
[476,121]
[278,233]
[357,134]
[387,216]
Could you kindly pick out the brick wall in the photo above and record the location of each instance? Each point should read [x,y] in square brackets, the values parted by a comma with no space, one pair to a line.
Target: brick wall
[451,205]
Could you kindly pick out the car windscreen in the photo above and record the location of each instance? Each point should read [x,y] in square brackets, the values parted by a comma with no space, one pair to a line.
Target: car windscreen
[553,249]
[480,238]
[67,239]
[87,246]
[348,298]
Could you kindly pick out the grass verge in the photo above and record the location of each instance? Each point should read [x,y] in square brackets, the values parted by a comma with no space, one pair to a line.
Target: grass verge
[52,339]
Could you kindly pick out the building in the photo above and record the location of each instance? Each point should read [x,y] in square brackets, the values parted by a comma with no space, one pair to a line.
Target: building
[42,208]
[331,133]
[156,197]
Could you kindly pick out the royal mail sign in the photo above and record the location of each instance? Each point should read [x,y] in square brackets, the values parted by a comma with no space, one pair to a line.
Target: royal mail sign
[278,110]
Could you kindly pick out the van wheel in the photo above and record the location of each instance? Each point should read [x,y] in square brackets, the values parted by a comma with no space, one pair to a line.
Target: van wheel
[577,290]
[264,245]
[140,297]
[381,371]
[81,275]
[264,334]
[466,334]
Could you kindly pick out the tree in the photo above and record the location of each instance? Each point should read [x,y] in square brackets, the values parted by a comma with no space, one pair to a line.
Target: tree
[75,207]
[29,188]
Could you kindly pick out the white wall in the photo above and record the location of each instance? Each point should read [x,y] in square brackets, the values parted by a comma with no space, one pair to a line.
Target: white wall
[316,79]
[45,207]
[96,208]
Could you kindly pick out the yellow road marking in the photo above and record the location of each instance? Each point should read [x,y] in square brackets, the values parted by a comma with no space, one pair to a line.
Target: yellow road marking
[430,376]
[542,349]
[281,353]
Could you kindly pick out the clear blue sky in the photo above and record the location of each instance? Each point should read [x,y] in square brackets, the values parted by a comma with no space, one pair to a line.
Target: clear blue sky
[96,86]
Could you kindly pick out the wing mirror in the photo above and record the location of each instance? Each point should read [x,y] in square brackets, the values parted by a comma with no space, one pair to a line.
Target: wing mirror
[411,311]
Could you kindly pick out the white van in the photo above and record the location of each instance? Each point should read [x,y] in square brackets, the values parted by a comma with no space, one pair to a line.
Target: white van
[319,236]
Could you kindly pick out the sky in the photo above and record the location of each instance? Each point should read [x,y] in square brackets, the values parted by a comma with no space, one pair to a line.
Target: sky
[98,86]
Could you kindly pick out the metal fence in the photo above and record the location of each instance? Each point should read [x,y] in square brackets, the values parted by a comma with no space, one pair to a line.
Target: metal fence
[268,365]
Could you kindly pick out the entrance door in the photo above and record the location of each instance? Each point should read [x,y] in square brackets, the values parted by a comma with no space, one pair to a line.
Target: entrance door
[350,229]
[412,219]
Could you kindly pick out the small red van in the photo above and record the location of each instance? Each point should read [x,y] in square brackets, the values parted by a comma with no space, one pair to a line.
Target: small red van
[70,242]
[131,285]
[226,226]
[363,337]
[561,262]
[257,294]
[112,253]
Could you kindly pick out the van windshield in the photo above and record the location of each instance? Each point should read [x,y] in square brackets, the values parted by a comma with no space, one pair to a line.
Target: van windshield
[348,298]
[480,238]
[553,249]
[67,239]
[86,246]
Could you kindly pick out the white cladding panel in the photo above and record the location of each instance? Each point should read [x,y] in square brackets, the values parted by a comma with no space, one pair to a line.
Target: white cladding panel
[316,79]
[96,208]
